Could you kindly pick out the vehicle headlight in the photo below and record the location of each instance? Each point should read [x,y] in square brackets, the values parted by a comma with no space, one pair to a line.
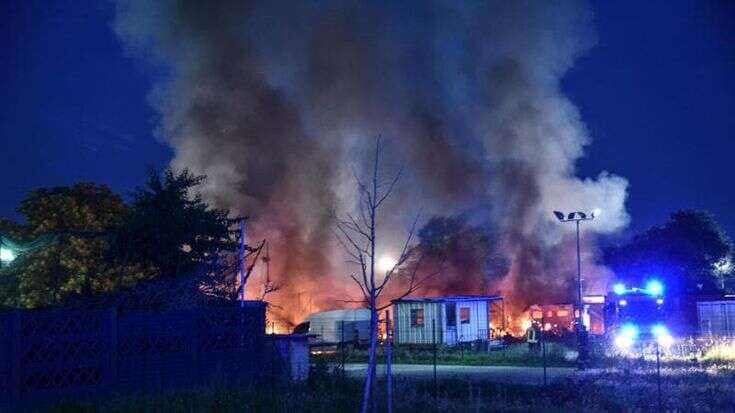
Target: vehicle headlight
[627,335]
[623,341]
[663,337]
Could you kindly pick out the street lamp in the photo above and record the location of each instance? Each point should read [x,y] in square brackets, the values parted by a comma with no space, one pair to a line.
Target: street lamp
[578,217]
[6,255]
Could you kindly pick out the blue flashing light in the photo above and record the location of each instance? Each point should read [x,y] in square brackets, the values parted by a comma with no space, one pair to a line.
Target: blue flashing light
[619,288]
[659,330]
[654,287]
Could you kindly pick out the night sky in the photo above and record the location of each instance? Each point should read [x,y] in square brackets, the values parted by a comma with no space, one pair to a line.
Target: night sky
[657,94]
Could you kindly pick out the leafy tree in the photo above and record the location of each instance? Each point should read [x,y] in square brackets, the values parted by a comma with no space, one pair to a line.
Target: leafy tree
[170,226]
[83,218]
[686,252]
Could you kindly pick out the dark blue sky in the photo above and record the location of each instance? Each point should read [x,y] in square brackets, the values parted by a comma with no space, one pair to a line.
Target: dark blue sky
[657,93]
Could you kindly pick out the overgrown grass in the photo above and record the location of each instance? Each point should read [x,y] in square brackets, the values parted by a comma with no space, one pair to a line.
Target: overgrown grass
[515,354]
[721,352]
[683,389]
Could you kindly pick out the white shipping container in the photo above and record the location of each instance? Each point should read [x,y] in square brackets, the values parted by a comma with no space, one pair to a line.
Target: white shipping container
[716,318]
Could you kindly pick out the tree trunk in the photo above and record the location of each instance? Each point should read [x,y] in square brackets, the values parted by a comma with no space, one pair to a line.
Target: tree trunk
[369,376]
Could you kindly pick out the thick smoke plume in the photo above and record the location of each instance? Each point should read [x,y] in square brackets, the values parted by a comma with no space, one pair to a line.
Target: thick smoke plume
[277,102]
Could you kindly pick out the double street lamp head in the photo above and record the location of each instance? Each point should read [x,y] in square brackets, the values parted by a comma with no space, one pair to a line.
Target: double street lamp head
[576,216]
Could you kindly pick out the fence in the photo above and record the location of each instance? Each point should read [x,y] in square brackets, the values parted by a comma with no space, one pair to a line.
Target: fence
[52,354]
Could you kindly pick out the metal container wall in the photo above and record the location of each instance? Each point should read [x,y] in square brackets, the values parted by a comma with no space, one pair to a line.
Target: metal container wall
[716,318]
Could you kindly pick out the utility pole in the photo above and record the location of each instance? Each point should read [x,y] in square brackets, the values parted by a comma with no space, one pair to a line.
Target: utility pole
[578,217]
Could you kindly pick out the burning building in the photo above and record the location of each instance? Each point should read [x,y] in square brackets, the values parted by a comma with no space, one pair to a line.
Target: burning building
[278,102]
[559,318]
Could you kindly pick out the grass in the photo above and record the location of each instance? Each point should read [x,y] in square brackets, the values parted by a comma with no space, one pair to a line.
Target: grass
[721,352]
[515,355]
[616,384]
[683,389]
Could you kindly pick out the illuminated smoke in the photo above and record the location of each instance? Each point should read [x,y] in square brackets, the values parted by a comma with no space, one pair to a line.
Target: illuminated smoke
[275,101]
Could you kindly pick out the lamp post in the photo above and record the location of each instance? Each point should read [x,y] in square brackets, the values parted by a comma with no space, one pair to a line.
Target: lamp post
[7,252]
[7,255]
[578,217]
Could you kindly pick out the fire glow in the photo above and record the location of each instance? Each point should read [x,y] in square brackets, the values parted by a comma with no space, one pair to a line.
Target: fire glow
[279,113]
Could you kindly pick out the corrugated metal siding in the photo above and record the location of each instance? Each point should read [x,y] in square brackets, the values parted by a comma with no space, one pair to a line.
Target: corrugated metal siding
[477,328]
[405,334]
[716,318]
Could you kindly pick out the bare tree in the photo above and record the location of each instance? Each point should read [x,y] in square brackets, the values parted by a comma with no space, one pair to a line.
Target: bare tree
[358,237]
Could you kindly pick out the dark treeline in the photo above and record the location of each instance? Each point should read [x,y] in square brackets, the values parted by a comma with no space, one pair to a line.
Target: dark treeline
[94,243]
[689,253]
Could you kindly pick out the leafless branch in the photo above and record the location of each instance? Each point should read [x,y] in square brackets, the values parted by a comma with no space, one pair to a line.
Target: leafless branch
[249,269]
[269,287]
[359,284]
[351,241]
[403,256]
[390,187]
[414,283]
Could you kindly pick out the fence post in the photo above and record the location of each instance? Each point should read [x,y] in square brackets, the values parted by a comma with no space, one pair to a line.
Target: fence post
[194,347]
[16,332]
[543,345]
[342,347]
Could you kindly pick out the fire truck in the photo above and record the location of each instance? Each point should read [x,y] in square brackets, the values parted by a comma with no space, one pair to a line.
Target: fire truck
[638,319]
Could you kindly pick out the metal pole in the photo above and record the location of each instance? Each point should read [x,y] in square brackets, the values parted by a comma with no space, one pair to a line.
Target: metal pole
[579,280]
[543,345]
[342,348]
[580,350]
[433,338]
[658,376]
[389,359]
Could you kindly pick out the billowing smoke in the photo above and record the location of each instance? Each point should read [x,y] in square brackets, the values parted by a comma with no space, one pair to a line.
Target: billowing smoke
[277,102]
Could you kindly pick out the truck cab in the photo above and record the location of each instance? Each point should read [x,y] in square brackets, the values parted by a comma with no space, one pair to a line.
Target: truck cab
[639,317]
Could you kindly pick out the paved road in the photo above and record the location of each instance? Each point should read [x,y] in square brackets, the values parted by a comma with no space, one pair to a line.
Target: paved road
[500,374]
